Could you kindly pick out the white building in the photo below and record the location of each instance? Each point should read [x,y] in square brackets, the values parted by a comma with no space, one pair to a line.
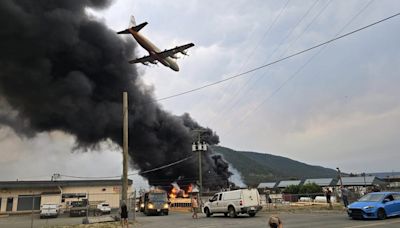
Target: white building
[19,196]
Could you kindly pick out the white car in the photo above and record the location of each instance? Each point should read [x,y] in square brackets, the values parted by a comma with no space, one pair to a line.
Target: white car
[104,208]
[232,203]
[49,210]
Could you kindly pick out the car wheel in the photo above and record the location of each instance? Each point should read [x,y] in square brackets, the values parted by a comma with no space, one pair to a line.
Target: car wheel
[381,214]
[207,211]
[232,212]
[252,214]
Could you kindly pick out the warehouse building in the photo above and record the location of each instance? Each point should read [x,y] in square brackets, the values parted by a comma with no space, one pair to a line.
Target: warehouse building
[19,196]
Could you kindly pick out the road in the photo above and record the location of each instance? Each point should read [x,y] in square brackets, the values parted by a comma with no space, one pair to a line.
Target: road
[295,220]
[181,219]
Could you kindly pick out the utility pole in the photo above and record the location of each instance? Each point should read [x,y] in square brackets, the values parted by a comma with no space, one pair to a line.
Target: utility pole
[340,176]
[199,148]
[125,147]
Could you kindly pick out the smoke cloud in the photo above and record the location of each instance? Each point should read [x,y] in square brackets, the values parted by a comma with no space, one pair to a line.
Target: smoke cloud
[62,70]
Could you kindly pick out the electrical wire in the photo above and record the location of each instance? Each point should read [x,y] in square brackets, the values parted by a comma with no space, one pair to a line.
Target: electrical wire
[300,68]
[276,61]
[236,96]
[131,174]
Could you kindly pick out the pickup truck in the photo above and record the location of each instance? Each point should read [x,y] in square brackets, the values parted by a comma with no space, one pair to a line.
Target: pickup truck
[78,208]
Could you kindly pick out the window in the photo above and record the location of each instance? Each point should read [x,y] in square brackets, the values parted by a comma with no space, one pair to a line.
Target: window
[396,196]
[220,196]
[9,206]
[28,202]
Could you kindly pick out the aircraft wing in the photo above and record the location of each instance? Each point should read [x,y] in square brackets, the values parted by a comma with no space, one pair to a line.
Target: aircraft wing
[145,60]
[173,51]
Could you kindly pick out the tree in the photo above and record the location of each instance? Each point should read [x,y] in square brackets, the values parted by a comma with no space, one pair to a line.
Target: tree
[292,189]
[310,188]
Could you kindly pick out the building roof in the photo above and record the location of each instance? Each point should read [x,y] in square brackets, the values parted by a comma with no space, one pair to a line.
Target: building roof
[360,181]
[267,185]
[321,181]
[61,183]
[284,184]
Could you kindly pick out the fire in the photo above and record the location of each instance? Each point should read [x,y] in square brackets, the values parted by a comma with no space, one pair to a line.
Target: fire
[176,191]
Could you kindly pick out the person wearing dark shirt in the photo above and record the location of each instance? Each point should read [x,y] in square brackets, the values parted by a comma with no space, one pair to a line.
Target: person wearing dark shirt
[124,215]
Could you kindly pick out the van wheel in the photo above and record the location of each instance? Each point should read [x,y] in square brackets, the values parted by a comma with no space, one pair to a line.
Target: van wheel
[207,211]
[252,214]
[232,212]
[381,214]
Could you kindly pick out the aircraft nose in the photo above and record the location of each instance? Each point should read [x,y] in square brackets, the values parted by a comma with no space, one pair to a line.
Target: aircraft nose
[175,67]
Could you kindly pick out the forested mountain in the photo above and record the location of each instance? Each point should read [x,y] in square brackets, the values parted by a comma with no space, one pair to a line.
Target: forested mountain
[259,167]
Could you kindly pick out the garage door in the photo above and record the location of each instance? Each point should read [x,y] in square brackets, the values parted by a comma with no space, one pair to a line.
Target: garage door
[25,202]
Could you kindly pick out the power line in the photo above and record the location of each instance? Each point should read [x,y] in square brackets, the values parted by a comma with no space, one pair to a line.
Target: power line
[131,174]
[300,68]
[236,97]
[277,61]
[266,34]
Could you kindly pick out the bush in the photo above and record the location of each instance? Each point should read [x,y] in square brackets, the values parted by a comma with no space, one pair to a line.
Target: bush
[292,189]
[310,188]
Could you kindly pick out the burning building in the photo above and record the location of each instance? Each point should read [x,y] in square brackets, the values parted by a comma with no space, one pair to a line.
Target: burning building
[62,70]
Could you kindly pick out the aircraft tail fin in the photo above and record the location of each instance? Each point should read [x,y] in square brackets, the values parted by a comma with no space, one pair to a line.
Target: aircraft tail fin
[133,26]
[132,22]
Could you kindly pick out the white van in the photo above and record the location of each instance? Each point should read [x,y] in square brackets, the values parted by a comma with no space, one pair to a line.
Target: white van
[232,203]
[49,210]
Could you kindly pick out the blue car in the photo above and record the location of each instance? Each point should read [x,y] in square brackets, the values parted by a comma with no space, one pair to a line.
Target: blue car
[378,205]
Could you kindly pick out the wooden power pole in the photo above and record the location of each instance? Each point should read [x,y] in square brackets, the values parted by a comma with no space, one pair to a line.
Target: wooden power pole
[125,148]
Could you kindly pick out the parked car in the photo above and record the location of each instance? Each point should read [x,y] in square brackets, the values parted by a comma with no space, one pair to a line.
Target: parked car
[49,210]
[232,203]
[103,208]
[78,208]
[375,205]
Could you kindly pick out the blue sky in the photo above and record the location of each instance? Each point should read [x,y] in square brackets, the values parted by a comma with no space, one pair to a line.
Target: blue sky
[340,109]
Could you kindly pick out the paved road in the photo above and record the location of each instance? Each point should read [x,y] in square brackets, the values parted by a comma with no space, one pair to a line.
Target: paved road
[295,220]
[181,219]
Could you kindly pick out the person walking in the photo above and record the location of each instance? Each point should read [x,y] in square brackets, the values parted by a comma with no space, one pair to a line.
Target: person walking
[345,195]
[328,195]
[124,215]
[195,207]
[275,222]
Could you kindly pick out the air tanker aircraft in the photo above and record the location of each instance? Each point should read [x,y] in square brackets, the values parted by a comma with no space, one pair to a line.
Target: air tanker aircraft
[165,57]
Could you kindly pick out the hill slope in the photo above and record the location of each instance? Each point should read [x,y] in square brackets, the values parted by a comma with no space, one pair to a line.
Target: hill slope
[258,167]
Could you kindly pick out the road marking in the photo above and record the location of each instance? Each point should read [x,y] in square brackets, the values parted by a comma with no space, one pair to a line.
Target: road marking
[373,224]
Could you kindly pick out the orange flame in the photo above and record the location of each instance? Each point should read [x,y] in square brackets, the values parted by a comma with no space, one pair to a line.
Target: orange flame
[176,192]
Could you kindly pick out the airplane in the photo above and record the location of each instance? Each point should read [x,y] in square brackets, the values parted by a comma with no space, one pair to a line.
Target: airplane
[166,57]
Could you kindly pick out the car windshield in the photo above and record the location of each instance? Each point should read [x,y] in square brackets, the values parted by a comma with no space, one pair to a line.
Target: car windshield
[105,204]
[372,198]
[158,196]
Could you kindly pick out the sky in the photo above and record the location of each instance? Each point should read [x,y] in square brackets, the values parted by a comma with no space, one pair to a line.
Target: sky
[335,106]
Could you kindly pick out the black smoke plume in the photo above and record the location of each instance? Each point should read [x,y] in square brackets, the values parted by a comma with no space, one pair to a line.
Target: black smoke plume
[62,70]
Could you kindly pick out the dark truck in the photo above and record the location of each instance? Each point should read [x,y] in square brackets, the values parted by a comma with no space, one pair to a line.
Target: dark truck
[78,208]
[154,202]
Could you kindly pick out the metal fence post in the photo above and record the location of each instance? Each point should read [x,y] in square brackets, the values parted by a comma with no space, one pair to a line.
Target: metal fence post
[33,205]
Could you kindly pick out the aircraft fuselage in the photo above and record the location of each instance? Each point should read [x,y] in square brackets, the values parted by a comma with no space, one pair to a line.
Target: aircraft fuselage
[153,50]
